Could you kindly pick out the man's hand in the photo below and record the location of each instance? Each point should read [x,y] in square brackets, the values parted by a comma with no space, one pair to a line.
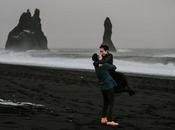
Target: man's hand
[99,65]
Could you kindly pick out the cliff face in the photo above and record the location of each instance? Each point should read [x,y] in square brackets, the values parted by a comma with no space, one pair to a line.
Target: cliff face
[27,34]
[107,35]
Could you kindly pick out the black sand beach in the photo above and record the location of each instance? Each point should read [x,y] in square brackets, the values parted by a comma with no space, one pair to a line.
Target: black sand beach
[72,101]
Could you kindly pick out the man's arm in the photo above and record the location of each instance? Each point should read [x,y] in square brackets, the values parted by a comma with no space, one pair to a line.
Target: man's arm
[108,66]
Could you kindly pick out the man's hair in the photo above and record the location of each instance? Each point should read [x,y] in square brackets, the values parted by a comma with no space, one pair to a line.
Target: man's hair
[105,47]
[95,57]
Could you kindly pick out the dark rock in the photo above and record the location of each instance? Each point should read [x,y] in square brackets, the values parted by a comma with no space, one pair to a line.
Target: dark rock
[27,35]
[107,35]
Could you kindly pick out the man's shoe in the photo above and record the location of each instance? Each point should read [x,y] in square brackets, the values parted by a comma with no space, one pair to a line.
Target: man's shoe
[112,123]
[104,120]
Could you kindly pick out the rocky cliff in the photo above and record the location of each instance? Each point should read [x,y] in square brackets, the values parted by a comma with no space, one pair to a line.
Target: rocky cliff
[27,35]
[107,35]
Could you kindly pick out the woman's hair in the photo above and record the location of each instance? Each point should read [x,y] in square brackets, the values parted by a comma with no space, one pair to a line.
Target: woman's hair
[95,57]
[105,47]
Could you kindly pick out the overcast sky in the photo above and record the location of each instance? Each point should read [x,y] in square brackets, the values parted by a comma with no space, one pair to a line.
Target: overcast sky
[79,23]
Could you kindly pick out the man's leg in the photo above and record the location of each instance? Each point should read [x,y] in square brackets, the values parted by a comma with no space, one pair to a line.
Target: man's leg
[105,103]
[110,95]
[111,104]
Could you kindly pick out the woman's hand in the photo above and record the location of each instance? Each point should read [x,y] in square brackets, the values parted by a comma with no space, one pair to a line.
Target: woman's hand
[100,57]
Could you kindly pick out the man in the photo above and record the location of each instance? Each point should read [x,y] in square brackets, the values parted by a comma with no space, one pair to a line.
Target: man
[106,83]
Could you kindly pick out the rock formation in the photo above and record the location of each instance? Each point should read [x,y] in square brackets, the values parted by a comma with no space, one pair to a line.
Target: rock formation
[27,35]
[107,35]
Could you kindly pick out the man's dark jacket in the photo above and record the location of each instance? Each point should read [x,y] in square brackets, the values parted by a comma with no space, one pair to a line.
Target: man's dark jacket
[106,81]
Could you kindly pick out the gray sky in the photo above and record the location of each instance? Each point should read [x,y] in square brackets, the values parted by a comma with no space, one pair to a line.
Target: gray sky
[79,23]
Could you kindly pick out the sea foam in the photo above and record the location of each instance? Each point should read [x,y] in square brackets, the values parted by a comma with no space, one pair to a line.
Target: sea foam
[68,59]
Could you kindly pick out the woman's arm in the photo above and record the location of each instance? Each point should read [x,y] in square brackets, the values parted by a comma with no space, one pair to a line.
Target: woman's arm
[108,59]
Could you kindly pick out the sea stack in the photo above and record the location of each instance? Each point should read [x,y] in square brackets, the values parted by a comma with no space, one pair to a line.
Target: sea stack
[27,35]
[107,35]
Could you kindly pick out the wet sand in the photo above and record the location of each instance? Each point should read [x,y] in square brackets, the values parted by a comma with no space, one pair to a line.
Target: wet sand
[72,101]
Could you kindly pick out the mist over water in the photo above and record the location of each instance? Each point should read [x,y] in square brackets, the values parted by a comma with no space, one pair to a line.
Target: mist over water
[146,61]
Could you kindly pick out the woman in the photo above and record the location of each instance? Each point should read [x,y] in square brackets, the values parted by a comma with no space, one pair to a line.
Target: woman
[106,83]
[120,78]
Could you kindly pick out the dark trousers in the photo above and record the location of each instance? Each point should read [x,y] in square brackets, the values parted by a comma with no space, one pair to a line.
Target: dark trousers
[108,103]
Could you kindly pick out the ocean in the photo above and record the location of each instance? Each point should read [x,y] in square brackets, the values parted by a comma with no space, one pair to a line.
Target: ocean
[143,61]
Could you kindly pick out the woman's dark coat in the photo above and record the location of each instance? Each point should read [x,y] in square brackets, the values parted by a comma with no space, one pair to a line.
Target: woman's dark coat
[120,78]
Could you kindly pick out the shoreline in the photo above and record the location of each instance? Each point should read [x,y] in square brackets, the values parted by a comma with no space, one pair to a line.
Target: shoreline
[92,71]
[72,101]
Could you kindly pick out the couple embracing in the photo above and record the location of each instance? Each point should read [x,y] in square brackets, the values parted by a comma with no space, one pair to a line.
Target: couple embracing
[108,82]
